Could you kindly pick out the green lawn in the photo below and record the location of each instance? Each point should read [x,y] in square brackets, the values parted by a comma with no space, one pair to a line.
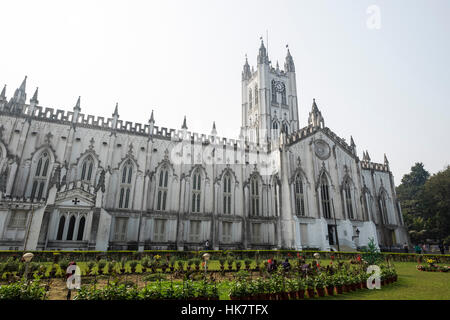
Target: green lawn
[411,285]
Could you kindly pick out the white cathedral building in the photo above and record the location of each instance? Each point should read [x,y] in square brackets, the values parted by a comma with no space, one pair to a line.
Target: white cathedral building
[72,181]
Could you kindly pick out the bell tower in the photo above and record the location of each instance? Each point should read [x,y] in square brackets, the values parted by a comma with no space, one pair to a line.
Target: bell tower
[269,99]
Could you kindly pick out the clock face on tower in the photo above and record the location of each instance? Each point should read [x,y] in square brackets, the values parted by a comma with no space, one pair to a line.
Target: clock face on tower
[279,86]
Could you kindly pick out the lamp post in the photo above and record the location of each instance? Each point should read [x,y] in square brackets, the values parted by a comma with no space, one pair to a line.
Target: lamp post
[206,257]
[27,257]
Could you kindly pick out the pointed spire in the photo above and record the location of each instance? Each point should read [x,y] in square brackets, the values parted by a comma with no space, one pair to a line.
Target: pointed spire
[23,85]
[364,156]
[367,156]
[386,162]
[184,126]
[262,56]
[289,62]
[214,130]
[35,97]
[352,142]
[315,116]
[278,66]
[152,119]
[3,94]
[116,110]
[77,106]
[246,73]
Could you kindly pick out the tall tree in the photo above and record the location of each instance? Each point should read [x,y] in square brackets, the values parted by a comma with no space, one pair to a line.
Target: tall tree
[409,192]
[434,203]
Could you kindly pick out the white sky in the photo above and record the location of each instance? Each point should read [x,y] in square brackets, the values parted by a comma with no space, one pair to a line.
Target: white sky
[389,88]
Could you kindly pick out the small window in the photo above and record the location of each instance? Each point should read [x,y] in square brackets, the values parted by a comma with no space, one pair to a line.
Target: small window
[226,232]
[18,219]
[120,232]
[159,230]
[194,232]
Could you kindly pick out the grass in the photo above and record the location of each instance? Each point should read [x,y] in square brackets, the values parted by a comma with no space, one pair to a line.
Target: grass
[411,285]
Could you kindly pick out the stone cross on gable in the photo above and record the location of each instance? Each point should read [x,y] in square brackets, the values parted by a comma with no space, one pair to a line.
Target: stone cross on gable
[92,141]
[75,201]
[48,137]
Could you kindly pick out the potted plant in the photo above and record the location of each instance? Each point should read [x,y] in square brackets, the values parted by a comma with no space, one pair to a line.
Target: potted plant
[310,286]
[291,288]
[238,265]
[320,285]
[347,282]
[338,281]
[301,286]
[329,285]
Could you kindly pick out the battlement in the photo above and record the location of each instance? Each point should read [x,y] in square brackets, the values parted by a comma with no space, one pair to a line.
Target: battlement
[97,122]
[374,166]
[15,202]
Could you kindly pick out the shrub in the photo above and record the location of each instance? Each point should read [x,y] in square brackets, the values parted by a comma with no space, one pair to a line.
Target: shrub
[22,290]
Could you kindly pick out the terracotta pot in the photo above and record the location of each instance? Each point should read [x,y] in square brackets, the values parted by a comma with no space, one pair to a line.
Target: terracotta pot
[310,293]
[345,288]
[339,289]
[284,296]
[330,291]
[362,285]
[301,294]
[357,286]
[321,292]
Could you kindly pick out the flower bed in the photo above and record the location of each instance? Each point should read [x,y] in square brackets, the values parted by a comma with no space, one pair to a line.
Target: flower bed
[432,267]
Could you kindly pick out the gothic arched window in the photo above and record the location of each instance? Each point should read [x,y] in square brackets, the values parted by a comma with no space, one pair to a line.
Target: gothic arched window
[325,196]
[40,176]
[383,208]
[285,128]
[227,193]
[256,95]
[81,228]
[62,222]
[71,228]
[254,196]
[250,98]
[283,97]
[162,189]
[348,199]
[274,92]
[125,186]
[86,169]
[299,196]
[196,191]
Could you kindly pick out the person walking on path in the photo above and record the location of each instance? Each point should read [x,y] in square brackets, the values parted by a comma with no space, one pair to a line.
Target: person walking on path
[441,247]
[405,247]
[417,249]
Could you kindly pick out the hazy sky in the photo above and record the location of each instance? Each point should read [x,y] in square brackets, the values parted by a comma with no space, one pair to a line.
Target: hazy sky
[388,87]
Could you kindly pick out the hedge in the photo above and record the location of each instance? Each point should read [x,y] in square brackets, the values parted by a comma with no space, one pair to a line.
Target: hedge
[47,256]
